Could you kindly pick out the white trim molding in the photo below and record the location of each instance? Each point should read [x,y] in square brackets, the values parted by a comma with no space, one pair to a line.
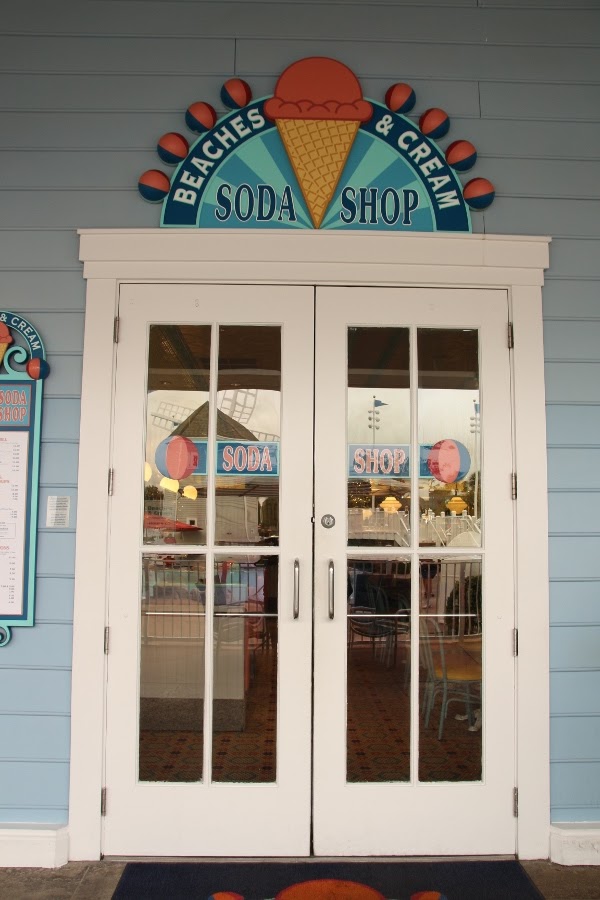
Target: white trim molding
[39,846]
[575,843]
[515,264]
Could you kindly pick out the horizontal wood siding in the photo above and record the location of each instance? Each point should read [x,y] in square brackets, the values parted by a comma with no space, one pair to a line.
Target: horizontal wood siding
[85,91]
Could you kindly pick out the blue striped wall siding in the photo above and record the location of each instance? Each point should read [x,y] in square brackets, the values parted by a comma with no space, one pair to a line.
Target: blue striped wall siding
[86,89]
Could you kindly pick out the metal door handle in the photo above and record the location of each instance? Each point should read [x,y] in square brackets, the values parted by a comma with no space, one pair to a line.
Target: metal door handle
[296,588]
[331,581]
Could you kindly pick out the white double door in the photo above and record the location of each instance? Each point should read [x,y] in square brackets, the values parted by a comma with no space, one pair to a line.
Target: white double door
[252,713]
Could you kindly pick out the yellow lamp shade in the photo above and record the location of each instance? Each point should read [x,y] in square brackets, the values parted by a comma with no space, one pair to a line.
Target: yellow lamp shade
[190,492]
[390,505]
[456,505]
[169,484]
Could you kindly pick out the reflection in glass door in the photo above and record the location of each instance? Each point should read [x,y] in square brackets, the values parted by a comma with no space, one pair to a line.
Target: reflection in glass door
[179,429]
[379,587]
[423,720]
[208,737]
[212,610]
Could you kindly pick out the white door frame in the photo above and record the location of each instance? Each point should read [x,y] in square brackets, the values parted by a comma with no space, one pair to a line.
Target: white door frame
[113,256]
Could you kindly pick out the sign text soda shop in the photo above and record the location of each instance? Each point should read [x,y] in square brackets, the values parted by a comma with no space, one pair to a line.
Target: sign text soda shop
[180,457]
[15,403]
[245,458]
[447,461]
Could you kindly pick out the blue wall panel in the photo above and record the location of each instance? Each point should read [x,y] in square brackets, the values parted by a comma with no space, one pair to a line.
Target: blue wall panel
[55,598]
[61,419]
[576,784]
[32,785]
[572,736]
[572,513]
[573,381]
[578,647]
[570,258]
[35,737]
[87,89]
[37,291]
[43,690]
[576,692]
[45,646]
[59,464]
[568,340]
[573,423]
[575,601]
[568,299]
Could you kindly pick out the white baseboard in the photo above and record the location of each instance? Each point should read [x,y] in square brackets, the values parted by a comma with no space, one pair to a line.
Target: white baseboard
[34,846]
[575,843]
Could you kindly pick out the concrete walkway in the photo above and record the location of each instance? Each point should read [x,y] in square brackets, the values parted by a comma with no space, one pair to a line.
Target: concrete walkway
[97,881]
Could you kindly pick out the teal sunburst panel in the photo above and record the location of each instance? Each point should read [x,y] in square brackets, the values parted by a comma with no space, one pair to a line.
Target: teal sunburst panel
[239,174]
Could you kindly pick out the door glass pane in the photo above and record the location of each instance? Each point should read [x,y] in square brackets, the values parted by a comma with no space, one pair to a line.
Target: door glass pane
[248,434]
[176,434]
[378,689]
[449,437]
[378,437]
[172,667]
[451,635]
[245,669]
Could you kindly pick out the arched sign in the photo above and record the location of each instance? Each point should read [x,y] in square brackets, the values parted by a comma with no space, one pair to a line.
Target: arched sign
[316,155]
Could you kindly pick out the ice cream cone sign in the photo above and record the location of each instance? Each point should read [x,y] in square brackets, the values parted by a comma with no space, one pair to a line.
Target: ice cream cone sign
[316,154]
[6,340]
[318,108]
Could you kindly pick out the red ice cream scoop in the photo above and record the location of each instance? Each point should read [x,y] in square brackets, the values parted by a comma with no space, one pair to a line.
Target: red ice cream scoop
[5,335]
[318,88]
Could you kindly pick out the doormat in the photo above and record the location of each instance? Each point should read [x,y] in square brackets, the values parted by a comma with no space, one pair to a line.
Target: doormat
[338,880]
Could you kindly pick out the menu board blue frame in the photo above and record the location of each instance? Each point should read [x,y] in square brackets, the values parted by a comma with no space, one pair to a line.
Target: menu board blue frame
[23,369]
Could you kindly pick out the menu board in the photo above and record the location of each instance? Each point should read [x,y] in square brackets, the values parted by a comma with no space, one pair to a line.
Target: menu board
[23,369]
[14,452]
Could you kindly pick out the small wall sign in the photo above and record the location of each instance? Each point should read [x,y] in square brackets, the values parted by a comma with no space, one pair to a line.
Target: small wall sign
[58,512]
[23,368]
[316,154]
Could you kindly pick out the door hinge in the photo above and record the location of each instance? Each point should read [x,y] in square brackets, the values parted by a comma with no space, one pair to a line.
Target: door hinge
[116,326]
[111,479]
[515,802]
[511,336]
[106,639]
[103,802]
[515,641]
[513,485]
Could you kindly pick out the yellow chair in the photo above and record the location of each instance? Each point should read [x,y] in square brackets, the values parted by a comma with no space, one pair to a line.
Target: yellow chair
[455,676]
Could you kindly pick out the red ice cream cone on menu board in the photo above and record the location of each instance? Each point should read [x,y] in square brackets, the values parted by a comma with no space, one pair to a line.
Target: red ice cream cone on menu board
[5,340]
[318,108]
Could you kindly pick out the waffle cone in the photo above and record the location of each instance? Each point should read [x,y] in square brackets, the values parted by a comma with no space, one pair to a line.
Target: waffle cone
[317,150]
[3,349]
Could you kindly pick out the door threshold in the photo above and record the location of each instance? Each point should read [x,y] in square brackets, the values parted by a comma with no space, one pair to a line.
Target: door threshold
[306,859]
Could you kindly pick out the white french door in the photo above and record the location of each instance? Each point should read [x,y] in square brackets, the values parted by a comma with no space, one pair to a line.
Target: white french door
[245,710]
[423,607]
[207,662]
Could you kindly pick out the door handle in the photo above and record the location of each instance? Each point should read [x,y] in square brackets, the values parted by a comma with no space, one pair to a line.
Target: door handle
[296,588]
[331,583]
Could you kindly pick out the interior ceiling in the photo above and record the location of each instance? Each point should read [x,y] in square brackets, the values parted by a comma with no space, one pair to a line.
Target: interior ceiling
[378,357]
[179,357]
